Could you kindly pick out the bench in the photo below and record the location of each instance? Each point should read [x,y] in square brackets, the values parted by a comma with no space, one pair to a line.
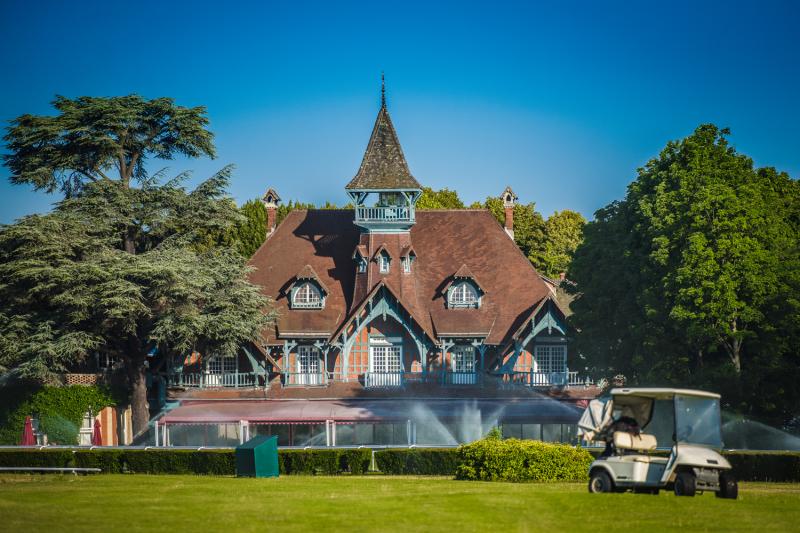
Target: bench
[46,469]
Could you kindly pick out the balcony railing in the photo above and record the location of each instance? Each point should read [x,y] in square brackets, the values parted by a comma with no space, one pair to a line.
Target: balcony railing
[304,379]
[373,380]
[203,380]
[385,214]
[547,379]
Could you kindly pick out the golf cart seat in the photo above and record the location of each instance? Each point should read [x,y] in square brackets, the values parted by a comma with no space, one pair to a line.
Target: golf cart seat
[628,441]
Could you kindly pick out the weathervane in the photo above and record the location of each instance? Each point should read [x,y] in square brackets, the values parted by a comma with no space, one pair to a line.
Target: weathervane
[383,90]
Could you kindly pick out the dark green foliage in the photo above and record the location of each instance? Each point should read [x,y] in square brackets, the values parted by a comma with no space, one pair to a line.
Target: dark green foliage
[694,279]
[212,462]
[250,233]
[69,287]
[60,411]
[494,459]
[91,137]
[765,466]
[108,461]
[325,462]
[43,458]
[418,461]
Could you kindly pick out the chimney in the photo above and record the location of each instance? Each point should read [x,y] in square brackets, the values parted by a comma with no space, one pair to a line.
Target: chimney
[509,201]
[271,201]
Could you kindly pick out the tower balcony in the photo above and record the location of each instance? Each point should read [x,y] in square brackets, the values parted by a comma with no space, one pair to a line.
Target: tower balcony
[385,216]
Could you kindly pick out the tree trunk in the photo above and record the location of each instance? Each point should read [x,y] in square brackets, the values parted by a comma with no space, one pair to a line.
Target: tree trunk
[137,381]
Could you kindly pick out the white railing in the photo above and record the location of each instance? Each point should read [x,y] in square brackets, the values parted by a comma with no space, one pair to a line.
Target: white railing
[384,214]
[547,379]
[304,379]
[201,380]
[383,379]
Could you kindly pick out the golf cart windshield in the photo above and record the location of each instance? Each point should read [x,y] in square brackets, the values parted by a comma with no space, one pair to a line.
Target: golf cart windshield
[697,420]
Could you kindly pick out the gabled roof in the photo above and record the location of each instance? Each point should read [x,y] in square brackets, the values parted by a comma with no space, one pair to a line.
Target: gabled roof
[382,249]
[372,293]
[463,273]
[271,194]
[362,251]
[407,251]
[443,239]
[307,273]
[384,165]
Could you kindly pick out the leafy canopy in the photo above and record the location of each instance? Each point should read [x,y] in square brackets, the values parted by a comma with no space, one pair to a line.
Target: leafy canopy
[92,136]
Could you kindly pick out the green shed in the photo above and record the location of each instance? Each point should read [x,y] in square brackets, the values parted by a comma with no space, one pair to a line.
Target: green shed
[258,457]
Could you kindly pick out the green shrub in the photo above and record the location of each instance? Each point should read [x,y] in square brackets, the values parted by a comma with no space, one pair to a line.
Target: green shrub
[43,458]
[60,410]
[765,466]
[108,461]
[325,462]
[418,461]
[214,462]
[493,459]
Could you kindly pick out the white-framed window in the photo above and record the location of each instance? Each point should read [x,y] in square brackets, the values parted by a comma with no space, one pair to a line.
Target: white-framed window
[464,294]
[463,358]
[307,295]
[383,261]
[385,358]
[406,264]
[550,358]
[362,264]
[307,359]
[222,365]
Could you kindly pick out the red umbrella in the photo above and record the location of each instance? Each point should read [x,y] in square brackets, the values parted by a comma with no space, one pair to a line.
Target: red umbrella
[97,437]
[27,434]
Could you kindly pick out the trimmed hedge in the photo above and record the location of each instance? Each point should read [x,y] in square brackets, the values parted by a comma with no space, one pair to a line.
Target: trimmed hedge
[325,462]
[494,459]
[765,466]
[418,461]
[511,460]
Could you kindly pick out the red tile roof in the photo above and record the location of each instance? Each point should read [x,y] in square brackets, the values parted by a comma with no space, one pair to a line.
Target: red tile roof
[443,241]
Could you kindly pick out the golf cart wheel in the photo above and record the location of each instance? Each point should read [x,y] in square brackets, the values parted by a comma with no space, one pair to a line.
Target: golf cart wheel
[728,487]
[685,484]
[599,481]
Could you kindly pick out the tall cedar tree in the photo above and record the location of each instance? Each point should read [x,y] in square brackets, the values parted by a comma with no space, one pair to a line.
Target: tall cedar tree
[68,290]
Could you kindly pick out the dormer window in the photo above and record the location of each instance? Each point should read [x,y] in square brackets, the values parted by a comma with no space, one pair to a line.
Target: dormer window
[383,262]
[463,294]
[362,265]
[307,296]
[406,264]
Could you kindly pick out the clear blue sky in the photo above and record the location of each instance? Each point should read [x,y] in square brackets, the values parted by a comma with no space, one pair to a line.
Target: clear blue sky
[560,100]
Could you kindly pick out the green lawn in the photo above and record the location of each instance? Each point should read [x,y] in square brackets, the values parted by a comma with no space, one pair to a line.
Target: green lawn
[374,503]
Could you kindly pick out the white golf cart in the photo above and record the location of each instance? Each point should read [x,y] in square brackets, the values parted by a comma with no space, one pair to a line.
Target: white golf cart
[635,423]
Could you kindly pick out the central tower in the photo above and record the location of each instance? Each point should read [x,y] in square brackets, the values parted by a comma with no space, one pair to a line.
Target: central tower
[384,191]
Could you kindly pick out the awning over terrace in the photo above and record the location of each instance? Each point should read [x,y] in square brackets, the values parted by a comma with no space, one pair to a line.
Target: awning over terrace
[537,410]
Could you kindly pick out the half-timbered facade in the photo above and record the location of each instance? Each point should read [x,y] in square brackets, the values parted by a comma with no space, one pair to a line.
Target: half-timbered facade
[388,303]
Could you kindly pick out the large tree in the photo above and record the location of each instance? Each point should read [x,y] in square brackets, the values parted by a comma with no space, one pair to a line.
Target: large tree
[692,278]
[94,139]
[563,232]
[441,199]
[68,289]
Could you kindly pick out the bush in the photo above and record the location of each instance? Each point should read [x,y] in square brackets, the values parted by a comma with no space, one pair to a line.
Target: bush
[418,461]
[493,459]
[765,466]
[60,410]
[48,458]
[214,462]
[325,462]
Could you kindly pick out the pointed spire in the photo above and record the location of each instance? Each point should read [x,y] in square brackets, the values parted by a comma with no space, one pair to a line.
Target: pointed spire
[384,166]
[383,91]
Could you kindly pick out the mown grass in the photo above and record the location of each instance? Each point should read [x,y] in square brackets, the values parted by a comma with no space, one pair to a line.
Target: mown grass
[33,503]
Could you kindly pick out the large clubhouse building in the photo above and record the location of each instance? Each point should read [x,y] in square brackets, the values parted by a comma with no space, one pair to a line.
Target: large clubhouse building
[396,326]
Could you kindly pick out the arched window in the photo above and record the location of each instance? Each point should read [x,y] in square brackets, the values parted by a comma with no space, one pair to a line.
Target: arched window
[464,294]
[307,295]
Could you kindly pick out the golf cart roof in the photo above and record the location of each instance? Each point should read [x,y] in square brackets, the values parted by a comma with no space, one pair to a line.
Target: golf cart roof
[662,393]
